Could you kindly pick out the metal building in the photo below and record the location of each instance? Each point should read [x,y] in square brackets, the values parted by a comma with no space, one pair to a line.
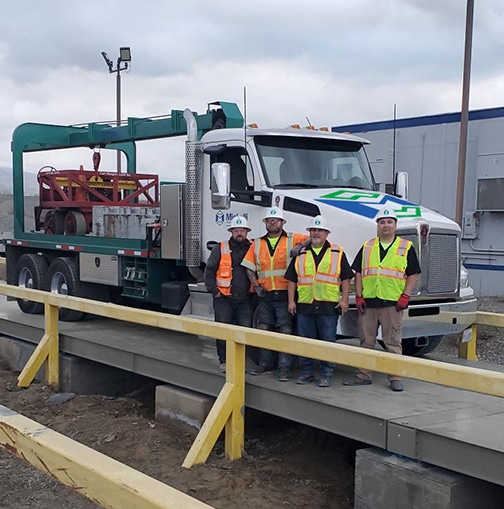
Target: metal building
[427,148]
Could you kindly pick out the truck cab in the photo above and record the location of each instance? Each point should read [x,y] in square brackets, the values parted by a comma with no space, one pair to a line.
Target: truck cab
[308,172]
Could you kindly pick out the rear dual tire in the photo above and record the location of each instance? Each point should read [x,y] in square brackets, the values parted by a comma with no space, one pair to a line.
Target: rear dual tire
[61,277]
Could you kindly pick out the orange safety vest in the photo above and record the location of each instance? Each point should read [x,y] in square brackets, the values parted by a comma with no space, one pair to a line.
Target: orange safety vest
[225,271]
[271,269]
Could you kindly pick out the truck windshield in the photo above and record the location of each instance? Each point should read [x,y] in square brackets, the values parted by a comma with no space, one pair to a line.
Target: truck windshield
[296,162]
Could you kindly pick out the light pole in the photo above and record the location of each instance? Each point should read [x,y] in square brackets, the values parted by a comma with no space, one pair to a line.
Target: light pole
[124,58]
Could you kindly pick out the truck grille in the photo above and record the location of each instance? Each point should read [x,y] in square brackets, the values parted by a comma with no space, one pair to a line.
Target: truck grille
[439,263]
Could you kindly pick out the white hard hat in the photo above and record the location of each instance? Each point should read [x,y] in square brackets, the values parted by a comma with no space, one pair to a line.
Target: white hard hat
[274,213]
[386,212]
[320,223]
[238,222]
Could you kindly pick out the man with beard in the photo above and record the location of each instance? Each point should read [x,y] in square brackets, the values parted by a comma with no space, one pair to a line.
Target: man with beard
[226,279]
[321,275]
[266,262]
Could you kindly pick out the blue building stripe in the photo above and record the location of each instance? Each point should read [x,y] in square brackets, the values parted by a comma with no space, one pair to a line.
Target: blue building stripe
[445,118]
[479,266]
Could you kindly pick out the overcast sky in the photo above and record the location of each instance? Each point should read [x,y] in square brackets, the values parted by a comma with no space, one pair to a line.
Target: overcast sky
[333,61]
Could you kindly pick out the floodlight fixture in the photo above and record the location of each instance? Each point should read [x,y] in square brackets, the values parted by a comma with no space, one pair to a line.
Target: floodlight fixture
[107,61]
[125,54]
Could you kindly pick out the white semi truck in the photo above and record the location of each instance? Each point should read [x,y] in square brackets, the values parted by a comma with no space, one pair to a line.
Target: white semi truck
[129,239]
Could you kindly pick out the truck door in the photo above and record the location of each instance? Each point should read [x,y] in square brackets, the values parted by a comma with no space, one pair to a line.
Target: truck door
[246,199]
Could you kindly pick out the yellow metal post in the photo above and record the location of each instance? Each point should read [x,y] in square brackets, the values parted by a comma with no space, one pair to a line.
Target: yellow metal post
[51,329]
[211,429]
[235,426]
[48,348]
[227,412]
[468,350]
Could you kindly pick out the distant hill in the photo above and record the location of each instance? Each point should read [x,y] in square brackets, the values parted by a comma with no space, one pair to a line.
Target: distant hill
[30,182]
[6,213]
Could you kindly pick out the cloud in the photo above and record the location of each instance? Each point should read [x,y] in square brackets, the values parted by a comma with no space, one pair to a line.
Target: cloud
[333,62]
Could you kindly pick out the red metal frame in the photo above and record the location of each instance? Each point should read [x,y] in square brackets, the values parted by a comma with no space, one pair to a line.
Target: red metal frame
[63,190]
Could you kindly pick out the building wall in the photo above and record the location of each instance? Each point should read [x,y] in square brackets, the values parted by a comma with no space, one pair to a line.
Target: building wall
[427,148]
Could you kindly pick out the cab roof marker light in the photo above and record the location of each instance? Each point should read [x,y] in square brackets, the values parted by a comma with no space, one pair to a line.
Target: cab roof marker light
[310,128]
[296,126]
[253,126]
[326,129]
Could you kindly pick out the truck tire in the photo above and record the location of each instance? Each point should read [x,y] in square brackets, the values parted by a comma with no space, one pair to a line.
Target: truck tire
[411,349]
[64,280]
[31,270]
[54,222]
[75,223]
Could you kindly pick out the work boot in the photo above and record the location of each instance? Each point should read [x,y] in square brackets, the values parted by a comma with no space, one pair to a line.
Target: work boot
[304,379]
[262,370]
[325,381]
[396,385]
[283,376]
[355,380]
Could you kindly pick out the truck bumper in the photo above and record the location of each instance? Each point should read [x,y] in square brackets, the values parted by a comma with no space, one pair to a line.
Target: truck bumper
[425,319]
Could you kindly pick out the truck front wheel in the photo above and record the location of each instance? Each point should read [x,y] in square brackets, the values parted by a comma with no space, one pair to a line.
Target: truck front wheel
[30,273]
[64,280]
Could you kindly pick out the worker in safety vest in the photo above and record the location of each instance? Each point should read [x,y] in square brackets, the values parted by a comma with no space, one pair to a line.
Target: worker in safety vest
[386,271]
[226,279]
[321,274]
[266,262]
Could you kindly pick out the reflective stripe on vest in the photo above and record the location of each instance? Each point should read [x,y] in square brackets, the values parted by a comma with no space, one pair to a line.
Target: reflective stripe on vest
[320,283]
[384,279]
[225,270]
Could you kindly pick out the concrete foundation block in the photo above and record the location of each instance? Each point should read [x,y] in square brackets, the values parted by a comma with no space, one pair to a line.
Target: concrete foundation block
[386,481]
[77,375]
[185,408]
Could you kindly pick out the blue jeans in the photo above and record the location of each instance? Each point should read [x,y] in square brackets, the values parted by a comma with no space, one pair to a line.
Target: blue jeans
[317,327]
[228,310]
[274,315]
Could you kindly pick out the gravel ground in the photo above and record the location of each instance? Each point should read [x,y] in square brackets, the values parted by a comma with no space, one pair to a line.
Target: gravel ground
[490,343]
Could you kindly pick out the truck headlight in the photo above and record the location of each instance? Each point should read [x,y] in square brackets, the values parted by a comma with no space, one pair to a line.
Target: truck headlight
[464,277]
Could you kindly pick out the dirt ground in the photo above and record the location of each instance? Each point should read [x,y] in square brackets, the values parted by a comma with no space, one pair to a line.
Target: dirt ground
[285,465]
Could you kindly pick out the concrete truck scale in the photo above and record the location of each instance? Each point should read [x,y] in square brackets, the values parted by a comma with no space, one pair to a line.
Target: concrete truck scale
[129,239]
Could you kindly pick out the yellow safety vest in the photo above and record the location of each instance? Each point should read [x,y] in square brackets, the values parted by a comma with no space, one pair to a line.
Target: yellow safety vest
[384,279]
[320,283]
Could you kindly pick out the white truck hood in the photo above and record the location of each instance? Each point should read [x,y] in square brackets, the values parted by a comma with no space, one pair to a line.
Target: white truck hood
[351,213]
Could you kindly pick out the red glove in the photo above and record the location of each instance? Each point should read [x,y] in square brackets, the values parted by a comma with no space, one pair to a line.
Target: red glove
[403,302]
[360,303]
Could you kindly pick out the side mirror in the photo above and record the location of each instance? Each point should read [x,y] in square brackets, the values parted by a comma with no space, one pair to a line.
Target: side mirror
[220,185]
[401,184]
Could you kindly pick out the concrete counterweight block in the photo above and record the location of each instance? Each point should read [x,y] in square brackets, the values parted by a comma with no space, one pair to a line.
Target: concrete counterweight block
[386,481]
[185,408]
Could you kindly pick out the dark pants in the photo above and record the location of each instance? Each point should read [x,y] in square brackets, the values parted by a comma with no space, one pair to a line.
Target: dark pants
[274,315]
[232,311]
[317,327]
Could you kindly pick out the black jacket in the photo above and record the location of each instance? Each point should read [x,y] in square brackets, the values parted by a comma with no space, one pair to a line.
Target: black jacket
[240,284]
